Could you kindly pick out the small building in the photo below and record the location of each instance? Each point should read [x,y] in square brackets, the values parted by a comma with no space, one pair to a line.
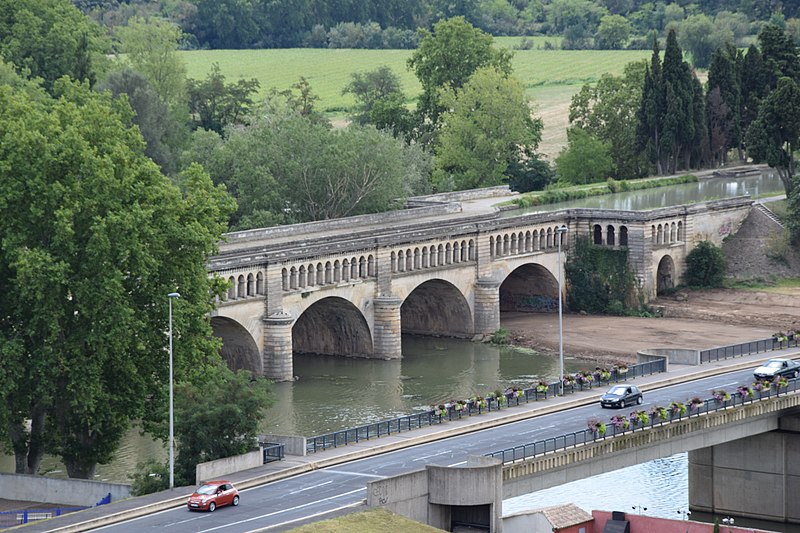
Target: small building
[567,518]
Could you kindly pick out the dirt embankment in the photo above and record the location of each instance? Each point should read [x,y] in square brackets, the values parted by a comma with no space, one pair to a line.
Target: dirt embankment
[692,319]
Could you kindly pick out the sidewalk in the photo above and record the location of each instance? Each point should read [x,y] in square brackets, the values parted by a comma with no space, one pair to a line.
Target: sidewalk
[294,465]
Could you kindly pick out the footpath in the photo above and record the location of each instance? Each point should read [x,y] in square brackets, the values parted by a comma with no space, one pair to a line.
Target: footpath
[293,465]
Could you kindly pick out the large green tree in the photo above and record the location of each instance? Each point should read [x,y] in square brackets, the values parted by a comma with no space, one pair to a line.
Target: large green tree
[369,88]
[215,105]
[586,159]
[98,238]
[447,57]
[774,136]
[723,104]
[51,38]
[604,110]
[287,167]
[488,122]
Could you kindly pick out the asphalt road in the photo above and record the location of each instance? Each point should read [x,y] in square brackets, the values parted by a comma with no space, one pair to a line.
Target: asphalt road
[281,505]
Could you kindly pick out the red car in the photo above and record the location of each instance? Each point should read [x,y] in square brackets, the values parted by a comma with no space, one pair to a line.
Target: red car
[213,494]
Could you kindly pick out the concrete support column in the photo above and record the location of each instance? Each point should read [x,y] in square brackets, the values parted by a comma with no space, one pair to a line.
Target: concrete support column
[277,352]
[487,306]
[757,477]
[386,336]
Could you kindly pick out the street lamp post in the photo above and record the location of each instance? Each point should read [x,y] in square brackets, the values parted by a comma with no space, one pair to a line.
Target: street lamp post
[170,296]
[560,232]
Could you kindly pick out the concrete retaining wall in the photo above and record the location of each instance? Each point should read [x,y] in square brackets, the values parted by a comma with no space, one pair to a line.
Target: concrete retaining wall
[678,356]
[78,492]
[228,465]
[292,445]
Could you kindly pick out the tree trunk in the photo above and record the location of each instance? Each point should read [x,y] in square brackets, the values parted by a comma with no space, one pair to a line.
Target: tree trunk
[28,447]
[78,469]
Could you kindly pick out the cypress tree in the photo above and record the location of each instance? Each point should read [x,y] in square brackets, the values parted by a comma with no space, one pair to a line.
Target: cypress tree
[679,128]
[722,112]
[754,88]
[651,110]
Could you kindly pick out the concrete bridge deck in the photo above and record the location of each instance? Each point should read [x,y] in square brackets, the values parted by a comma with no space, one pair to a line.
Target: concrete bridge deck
[294,465]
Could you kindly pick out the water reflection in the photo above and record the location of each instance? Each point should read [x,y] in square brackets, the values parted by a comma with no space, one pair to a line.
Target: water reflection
[767,183]
[333,393]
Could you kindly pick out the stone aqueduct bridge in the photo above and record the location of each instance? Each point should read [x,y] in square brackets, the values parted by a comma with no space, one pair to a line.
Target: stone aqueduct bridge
[447,267]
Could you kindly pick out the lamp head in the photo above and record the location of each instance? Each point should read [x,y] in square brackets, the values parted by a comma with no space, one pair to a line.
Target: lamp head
[174,295]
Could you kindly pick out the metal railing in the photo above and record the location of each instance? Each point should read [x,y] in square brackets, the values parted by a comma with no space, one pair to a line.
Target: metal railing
[25,516]
[656,417]
[746,348]
[470,408]
[272,451]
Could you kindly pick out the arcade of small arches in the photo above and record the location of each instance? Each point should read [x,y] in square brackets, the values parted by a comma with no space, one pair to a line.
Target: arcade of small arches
[667,233]
[525,242]
[328,272]
[432,256]
[244,286]
[609,236]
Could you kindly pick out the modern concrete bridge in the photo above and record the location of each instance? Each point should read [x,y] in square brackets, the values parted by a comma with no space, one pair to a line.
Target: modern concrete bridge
[445,266]
[743,460]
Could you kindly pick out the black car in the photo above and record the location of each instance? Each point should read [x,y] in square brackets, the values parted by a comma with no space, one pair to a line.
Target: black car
[621,395]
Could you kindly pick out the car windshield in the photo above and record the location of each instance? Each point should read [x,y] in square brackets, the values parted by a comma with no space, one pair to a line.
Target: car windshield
[617,391]
[774,364]
[206,489]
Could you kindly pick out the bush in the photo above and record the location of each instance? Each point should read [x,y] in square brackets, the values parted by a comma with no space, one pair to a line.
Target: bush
[705,266]
[149,477]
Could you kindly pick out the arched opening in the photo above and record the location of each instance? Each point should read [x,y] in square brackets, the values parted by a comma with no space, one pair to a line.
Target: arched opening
[610,236]
[597,237]
[332,326]
[436,307]
[239,349]
[530,288]
[665,276]
[623,235]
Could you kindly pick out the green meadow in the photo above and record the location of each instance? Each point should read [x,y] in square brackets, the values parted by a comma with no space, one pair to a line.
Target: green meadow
[550,77]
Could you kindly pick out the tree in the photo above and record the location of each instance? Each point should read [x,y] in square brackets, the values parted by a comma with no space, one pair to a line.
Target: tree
[705,266]
[489,120]
[447,57]
[774,136]
[604,110]
[162,132]
[150,47]
[529,173]
[368,88]
[215,105]
[217,417]
[49,39]
[584,160]
[613,32]
[98,239]
[700,37]
[286,167]
[678,130]
[723,104]
[779,54]
[576,20]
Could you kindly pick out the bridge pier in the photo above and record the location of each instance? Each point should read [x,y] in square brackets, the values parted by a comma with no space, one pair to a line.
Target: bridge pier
[758,476]
[277,348]
[387,343]
[487,306]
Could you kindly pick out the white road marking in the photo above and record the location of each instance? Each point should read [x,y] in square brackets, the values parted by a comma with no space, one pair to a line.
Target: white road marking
[353,474]
[432,455]
[311,487]
[283,510]
[456,464]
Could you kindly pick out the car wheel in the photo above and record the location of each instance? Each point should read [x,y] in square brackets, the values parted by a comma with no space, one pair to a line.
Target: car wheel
[235,500]
[211,507]
[639,400]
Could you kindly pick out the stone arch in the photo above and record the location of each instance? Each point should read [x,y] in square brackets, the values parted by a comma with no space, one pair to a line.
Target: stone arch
[597,234]
[665,275]
[260,282]
[531,288]
[241,287]
[436,307]
[332,326]
[239,349]
[680,231]
[623,235]
[611,238]
[231,288]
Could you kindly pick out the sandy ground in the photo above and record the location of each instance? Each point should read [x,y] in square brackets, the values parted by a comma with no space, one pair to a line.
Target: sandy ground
[696,320]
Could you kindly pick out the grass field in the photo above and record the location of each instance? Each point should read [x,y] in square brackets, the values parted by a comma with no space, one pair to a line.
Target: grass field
[550,77]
